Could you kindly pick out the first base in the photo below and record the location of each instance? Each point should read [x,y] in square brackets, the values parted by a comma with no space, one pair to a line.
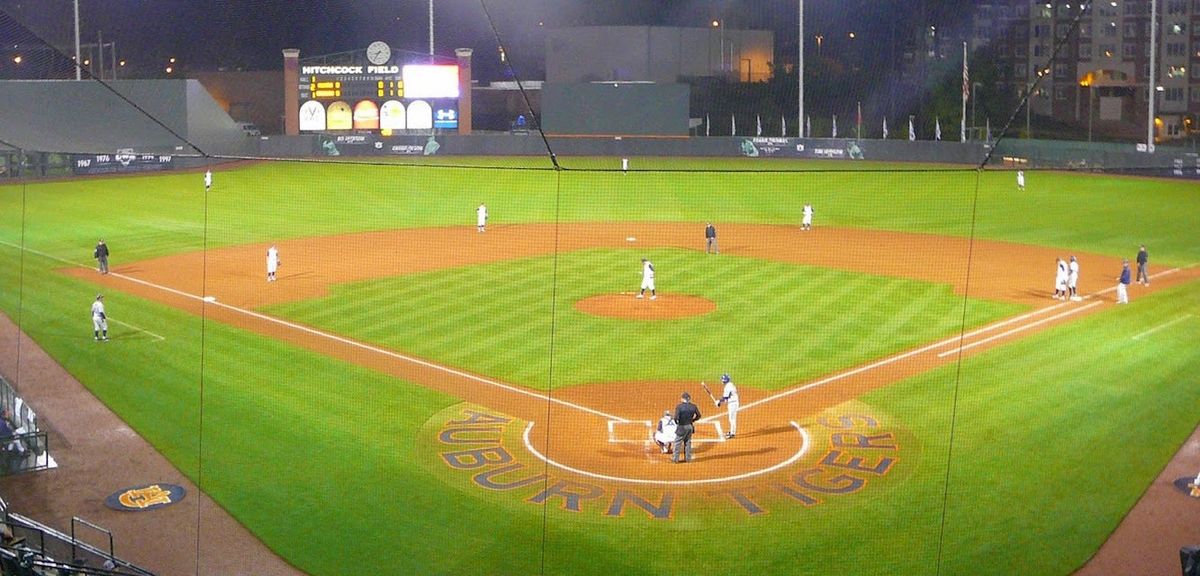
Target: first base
[631,239]
[210,298]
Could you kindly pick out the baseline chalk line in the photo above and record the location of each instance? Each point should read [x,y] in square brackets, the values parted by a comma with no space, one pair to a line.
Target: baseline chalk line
[1162,326]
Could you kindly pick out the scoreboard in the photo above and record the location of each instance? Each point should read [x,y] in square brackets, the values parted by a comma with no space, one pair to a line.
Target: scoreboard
[378,98]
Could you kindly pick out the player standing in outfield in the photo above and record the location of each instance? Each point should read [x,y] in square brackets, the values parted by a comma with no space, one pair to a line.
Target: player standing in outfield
[272,262]
[730,399]
[1143,259]
[647,280]
[664,434]
[1073,278]
[686,415]
[624,166]
[1021,180]
[101,256]
[710,239]
[806,223]
[99,319]
[1123,284]
[1060,280]
[207,180]
[481,217]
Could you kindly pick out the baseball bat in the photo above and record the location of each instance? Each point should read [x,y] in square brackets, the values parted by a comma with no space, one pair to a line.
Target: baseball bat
[710,394]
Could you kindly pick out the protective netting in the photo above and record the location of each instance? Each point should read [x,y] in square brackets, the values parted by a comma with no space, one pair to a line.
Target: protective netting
[408,288]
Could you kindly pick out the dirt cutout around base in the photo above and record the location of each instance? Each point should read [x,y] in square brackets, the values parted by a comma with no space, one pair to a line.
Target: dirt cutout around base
[630,307]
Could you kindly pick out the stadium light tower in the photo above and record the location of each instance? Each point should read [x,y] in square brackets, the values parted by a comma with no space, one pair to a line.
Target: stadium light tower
[1152,92]
[431,30]
[800,68]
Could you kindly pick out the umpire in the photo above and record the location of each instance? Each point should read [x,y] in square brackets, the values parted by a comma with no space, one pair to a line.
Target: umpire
[686,415]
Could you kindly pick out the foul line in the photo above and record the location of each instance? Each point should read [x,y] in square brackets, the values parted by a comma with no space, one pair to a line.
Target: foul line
[159,338]
[1017,329]
[1162,326]
[804,444]
[335,338]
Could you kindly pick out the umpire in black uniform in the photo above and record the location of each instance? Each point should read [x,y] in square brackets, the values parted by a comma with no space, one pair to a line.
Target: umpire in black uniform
[686,415]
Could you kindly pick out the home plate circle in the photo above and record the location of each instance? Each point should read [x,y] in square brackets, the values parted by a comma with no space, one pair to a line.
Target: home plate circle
[630,239]
[210,298]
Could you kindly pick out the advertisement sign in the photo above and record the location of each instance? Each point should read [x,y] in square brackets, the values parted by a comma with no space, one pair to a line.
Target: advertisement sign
[121,162]
[378,98]
[375,145]
[801,148]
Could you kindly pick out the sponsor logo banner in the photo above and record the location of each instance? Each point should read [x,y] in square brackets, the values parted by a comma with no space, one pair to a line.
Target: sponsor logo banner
[125,161]
[764,147]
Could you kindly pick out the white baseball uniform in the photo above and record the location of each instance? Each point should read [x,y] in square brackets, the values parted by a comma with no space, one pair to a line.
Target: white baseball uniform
[808,214]
[1072,274]
[730,398]
[664,435]
[207,180]
[481,217]
[1021,179]
[99,321]
[1060,276]
[647,275]
[272,263]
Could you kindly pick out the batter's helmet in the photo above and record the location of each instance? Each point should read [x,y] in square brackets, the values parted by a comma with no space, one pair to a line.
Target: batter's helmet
[725,378]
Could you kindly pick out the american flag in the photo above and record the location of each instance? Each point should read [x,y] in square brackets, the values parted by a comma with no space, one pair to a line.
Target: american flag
[966,93]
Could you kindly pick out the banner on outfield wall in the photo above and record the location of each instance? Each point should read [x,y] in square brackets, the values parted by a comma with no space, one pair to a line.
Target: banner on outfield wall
[121,162]
[800,148]
[373,145]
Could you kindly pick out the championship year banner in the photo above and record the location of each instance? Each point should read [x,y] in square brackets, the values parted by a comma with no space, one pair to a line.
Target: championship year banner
[121,162]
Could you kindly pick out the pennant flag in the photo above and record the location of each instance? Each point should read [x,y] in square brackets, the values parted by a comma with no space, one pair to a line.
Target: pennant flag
[783,122]
[912,134]
[707,125]
[758,124]
[937,129]
[966,93]
[885,127]
[732,125]
[834,126]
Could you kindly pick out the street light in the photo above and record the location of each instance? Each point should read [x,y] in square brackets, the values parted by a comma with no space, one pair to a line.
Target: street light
[1087,82]
[820,40]
[17,59]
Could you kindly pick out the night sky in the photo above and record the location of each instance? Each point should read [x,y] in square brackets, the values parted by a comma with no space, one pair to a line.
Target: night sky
[245,34]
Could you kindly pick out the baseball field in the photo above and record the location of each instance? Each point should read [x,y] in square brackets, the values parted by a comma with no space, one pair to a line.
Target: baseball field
[415,393]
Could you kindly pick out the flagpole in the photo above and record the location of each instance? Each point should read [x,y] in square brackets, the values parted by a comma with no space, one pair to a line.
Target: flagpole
[966,90]
[858,123]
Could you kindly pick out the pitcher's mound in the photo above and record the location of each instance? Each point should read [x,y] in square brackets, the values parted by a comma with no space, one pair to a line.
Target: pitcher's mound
[628,306]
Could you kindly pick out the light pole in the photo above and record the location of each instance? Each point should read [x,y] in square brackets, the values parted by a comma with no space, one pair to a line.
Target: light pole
[800,68]
[1151,93]
[974,98]
[78,63]
[431,30]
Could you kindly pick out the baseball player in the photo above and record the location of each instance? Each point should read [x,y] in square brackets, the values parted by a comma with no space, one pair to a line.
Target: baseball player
[1021,180]
[1060,280]
[272,262]
[99,319]
[480,217]
[806,224]
[624,166]
[647,280]
[1123,284]
[207,180]
[1073,278]
[730,399]
[664,434]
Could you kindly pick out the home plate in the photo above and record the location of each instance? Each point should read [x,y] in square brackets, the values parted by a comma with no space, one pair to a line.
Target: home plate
[631,239]
[210,298]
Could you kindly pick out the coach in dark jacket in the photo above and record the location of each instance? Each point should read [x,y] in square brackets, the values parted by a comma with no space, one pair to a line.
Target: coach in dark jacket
[686,415]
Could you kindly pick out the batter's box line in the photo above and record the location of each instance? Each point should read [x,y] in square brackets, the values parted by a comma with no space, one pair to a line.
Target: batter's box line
[615,438]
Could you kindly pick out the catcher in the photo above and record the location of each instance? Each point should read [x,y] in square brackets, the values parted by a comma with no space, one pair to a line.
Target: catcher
[664,434]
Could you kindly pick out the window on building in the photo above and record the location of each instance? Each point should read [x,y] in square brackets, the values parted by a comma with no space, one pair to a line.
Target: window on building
[1173,94]
[1176,6]
[1041,30]
[1176,72]
[1019,51]
[1132,8]
[1020,71]
[1062,30]
[1176,29]
[1130,29]
[1062,71]
[1176,49]
[1108,50]
[1109,29]
[1085,51]
[1060,92]
[1021,10]
[1195,93]
[1044,11]
[1064,10]
[1037,50]
[1196,72]
[1172,129]
[1085,30]
[1107,9]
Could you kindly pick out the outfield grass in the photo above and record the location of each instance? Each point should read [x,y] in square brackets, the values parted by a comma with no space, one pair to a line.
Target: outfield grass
[1055,436]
